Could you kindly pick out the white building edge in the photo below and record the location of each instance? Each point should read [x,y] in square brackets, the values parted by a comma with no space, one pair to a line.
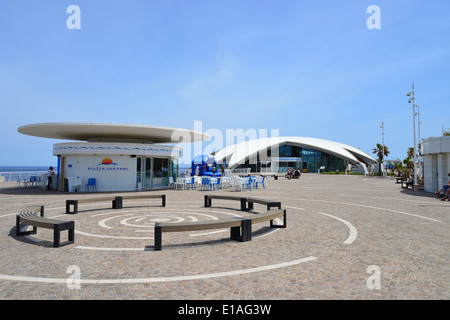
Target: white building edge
[436,162]
[278,153]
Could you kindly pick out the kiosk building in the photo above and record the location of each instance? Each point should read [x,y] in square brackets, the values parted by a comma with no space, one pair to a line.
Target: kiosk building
[120,157]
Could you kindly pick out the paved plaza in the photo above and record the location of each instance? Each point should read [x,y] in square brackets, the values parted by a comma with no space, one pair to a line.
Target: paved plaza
[347,237]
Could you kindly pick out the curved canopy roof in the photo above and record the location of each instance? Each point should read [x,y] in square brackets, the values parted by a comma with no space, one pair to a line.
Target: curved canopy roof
[110,132]
[236,154]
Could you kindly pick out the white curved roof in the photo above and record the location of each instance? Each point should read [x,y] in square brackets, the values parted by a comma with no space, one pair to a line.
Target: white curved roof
[236,154]
[111,132]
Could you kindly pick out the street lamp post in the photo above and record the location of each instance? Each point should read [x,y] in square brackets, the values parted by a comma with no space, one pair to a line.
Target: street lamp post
[382,139]
[419,143]
[412,99]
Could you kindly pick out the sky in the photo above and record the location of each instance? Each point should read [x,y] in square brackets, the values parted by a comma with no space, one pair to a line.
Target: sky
[306,68]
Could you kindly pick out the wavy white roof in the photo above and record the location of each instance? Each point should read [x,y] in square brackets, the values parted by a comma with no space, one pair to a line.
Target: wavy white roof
[236,154]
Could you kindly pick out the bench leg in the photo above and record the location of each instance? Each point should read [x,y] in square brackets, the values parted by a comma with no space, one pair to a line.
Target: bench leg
[23,233]
[243,204]
[246,230]
[117,203]
[163,199]
[207,201]
[235,233]
[273,205]
[72,235]
[284,225]
[56,236]
[158,237]
[75,206]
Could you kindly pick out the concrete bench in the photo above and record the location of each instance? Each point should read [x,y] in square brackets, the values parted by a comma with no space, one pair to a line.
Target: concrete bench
[117,201]
[406,183]
[269,215]
[246,202]
[242,200]
[236,226]
[267,203]
[240,228]
[29,216]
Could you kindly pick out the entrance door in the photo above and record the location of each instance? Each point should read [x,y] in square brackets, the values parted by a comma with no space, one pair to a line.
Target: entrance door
[305,165]
[154,174]
[160,177]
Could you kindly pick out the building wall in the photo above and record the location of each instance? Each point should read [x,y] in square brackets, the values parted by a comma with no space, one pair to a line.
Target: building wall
[120,175]
[436,161]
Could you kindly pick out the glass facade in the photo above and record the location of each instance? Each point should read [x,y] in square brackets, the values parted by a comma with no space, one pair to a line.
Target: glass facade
[154,173]
[315,159]
[307,160]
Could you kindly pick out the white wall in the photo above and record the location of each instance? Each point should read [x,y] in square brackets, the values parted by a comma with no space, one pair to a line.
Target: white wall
[436,158]
[119,176]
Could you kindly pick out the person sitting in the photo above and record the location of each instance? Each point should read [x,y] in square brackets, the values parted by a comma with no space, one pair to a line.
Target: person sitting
[297,174]
[288,174]
[445,189]
[446,195]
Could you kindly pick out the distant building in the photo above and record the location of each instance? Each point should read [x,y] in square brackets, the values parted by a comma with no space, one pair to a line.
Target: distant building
[276,154]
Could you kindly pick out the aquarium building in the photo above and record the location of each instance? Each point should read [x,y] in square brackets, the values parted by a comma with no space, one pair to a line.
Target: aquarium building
[276,154]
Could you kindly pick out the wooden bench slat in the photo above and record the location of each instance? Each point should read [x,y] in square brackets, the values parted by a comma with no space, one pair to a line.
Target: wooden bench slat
[241,228]
[86,200]
[266,216]
[36,221]
[199,225]
[246,202]
[116,201]
[40,221]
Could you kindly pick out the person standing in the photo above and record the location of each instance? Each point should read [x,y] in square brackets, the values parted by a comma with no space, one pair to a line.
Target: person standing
[50,175]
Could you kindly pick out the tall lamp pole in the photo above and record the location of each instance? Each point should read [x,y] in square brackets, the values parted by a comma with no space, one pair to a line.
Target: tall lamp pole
[412,99]
[419,143]
[382,139]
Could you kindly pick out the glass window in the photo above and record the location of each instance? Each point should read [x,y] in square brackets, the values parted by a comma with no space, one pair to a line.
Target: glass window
[160,173]
[160,168]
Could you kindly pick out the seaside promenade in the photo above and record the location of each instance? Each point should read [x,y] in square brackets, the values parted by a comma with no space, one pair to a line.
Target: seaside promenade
[347,237]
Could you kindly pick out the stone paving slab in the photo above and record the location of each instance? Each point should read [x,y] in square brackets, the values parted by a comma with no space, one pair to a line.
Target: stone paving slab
[343,231]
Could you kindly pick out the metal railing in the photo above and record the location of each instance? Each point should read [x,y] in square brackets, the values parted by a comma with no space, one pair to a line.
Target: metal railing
[13,176]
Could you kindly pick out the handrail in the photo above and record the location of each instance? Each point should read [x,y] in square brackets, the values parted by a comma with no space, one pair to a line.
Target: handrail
[12,176]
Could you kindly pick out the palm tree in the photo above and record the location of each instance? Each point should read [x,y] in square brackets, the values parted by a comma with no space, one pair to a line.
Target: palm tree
[409,161]
[381,151]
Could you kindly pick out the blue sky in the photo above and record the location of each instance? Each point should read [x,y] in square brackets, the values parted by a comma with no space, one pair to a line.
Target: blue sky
[307,68]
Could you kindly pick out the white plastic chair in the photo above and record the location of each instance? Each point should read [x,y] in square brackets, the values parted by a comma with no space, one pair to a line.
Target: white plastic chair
[237,183]
[225,182]
[77,184]
[180,182]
